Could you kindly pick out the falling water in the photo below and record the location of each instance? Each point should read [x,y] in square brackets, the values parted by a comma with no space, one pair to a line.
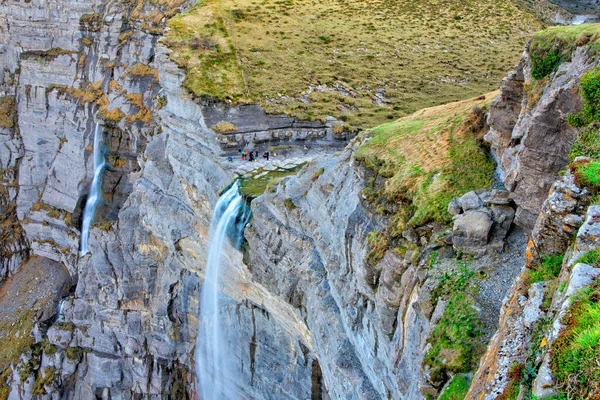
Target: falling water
[61,304]
[213,366]
[95,190]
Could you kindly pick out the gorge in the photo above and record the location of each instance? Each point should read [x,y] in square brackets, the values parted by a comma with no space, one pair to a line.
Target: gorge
[415,233]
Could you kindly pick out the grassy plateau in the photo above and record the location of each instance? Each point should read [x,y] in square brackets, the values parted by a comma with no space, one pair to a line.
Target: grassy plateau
[362,61]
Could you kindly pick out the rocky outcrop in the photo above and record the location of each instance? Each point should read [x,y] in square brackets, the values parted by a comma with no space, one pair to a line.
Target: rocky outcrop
[370,321]
[529,134]
[526,305]
[129,328]
[248,126]
[482,221]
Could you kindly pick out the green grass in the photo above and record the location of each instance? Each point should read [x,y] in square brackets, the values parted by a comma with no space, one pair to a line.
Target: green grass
[576,352]
[548,269]
[590,91]
[427,159]
[457,388]
[591,258]
[586,144]
[254,187]
[362,61]
[554,45]
[455,338]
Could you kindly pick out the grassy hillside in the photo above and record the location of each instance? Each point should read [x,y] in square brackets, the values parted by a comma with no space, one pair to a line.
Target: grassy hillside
[363,61]
[428,158]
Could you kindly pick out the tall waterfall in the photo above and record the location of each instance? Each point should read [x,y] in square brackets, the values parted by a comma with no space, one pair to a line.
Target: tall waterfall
[213,365]
[95,190]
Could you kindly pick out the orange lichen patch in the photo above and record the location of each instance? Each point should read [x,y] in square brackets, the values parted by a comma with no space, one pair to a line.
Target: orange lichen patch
[140,69]
[114,115]
[8,112]
[114,86]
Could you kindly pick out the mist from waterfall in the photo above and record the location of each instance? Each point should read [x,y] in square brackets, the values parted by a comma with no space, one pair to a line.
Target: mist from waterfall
[95,190]
[213,358]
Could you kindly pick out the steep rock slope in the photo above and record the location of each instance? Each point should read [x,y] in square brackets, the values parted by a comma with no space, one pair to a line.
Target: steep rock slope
[130,327]
[529,132]
[372,308]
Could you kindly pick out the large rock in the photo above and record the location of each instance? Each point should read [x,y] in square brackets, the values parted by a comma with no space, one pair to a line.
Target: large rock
[471,231]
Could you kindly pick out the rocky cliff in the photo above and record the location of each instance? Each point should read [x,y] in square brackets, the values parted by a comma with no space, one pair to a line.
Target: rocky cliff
[355,282]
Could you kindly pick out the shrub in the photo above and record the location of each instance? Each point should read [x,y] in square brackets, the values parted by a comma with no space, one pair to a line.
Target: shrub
[586,144]
[378,245]
[590,87]
[543,65]
[317,174]
[590,91]
[289,204]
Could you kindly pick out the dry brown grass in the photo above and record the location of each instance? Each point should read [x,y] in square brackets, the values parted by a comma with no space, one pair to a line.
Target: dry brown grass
[363,61]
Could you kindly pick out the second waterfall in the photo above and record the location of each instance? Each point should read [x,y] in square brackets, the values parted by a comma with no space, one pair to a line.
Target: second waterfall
[214,359]
[95,190]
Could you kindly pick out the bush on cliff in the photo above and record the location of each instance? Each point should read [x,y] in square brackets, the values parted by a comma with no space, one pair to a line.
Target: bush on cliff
[590,91]
[587,174]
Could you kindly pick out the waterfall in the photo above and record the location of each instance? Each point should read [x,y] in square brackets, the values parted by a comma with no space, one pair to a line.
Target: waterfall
[61,304]
[213,360]
[95,189]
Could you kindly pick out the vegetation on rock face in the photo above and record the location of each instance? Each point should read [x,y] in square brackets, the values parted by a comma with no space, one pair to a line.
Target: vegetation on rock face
[454,341]
[8,112]
[548,269]
[363,62]
[575,355]
[255,186]
[224,127]
[587,174]
[590,258]
[457,388]
[427,159]
[586,144]
[552,46]
[590,91]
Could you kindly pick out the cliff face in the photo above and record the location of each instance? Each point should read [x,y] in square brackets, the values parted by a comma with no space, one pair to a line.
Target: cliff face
[529,133]
[310,312]
[129,325]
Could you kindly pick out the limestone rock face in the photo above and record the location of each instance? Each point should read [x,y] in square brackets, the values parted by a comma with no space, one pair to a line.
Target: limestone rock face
[129,328]
[370,324]
[531,141]
[563,212]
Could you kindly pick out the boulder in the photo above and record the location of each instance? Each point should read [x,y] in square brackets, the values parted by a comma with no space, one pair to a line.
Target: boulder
[471,232]
[470,201]
[454,207]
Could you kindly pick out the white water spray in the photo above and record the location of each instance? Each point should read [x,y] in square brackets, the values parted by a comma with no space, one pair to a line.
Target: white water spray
[213,365]
[95,190]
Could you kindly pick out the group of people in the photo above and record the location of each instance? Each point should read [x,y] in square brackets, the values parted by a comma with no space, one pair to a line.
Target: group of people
[252,155]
